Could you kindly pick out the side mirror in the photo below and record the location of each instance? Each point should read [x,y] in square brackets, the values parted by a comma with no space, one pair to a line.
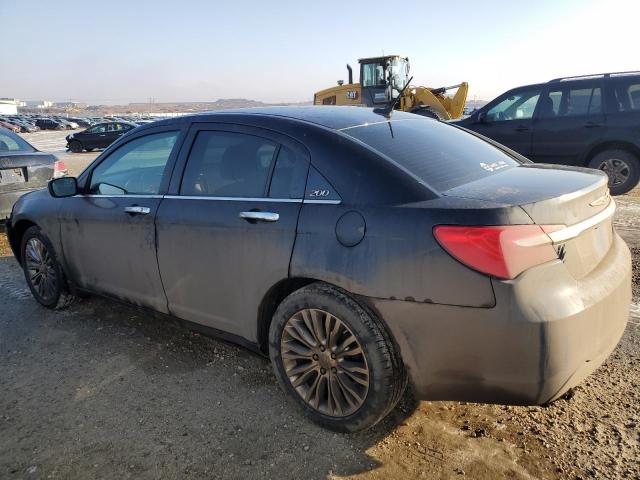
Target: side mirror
[63,187]
[481,117]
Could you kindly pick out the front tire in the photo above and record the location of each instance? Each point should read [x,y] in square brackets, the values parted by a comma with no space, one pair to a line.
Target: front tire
[335,359]
[42,270]
[75,146]
[622,168]
[427,112]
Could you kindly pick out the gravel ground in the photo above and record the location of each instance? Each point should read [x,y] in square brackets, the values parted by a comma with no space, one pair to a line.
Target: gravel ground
[102,390]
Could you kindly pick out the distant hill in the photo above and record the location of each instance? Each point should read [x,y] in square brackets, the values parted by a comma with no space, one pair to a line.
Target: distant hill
[220,104]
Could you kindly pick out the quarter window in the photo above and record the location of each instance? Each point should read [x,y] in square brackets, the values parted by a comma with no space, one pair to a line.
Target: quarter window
[227,164]
[289,175]
[517,106]
[137,167]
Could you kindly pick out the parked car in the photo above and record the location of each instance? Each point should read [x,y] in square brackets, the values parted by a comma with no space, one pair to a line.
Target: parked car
[591,121]
[98,136]
[23,169]
[24,127]
[49,124]
[352,249]
[81,122]
[69,125]
[9,126]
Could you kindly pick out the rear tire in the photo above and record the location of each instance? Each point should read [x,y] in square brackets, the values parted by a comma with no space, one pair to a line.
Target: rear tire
[347,370]
[75,146]
[42,270]
[621,166]
[427,112]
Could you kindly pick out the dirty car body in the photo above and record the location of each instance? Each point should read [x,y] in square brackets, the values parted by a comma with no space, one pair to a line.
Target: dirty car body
[22,169]
[499,280]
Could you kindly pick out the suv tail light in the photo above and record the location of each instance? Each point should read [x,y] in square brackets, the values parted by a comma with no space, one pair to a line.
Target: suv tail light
[59,169]
[499,251]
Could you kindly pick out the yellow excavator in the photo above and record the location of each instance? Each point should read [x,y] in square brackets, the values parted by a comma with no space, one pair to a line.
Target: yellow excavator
[384,81]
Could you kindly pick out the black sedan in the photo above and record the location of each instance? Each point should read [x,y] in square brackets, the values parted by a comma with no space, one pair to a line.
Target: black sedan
[98,136]
[49,124]
[22,169]
[356,251]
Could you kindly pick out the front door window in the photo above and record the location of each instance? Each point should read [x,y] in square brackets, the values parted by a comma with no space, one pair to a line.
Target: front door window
[137,167]
[516,106]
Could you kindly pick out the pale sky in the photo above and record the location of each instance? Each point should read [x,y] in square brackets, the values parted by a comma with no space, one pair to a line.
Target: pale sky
[120,51]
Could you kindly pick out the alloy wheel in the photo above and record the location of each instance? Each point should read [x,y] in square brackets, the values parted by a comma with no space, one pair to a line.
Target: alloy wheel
[41,269]
[324,362]
[617,170]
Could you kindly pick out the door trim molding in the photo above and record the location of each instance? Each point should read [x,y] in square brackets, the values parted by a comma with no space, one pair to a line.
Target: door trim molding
[233,199]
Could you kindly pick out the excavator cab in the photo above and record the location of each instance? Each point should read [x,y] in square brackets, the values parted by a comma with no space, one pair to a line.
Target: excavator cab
[382,78]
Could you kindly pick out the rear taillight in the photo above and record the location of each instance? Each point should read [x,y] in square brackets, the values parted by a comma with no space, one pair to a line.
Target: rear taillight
[59,169]
[501,251]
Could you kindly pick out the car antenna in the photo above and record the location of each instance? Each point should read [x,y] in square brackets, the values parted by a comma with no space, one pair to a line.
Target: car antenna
[386,111]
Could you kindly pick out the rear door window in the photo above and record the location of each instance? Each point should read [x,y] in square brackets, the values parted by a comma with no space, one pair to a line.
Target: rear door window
[565,101]
[228,164]
[440,155]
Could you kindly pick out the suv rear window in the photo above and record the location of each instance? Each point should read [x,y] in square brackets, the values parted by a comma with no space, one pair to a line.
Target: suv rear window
[440,155]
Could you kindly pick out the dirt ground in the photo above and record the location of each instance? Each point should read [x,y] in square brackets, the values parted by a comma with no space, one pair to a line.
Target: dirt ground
[101,390]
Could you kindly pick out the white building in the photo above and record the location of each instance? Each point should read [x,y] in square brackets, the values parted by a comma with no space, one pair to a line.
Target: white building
[38,103]
[8,107]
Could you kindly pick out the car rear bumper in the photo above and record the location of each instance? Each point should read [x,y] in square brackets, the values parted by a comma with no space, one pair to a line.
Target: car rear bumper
[547,332]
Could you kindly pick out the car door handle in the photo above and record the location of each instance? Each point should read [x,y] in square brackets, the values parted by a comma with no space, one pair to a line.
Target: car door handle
[136,210]
[521,128]
[260,216]
[591,125]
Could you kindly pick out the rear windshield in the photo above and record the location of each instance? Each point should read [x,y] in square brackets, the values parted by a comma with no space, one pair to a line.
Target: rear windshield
[10,142]
[440,155]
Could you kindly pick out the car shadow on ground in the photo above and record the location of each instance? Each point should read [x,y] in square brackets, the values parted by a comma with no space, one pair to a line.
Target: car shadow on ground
[124,391]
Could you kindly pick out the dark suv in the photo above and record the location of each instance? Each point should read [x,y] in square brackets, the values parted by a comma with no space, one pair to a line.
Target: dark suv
[591,121]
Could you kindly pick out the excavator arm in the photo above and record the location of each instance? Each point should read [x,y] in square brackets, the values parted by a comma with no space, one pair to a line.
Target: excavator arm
[435,100]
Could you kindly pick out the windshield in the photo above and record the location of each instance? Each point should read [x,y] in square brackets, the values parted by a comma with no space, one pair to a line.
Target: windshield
[440,155]
[399,71]
[10,142]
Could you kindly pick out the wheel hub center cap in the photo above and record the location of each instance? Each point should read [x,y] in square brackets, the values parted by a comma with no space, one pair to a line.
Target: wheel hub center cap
[325,360]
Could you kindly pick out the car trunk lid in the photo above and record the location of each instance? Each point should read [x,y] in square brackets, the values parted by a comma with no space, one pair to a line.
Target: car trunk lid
[25,171]
[575,201]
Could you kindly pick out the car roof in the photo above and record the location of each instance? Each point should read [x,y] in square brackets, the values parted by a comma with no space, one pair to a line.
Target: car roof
[336,118]
[579,78]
